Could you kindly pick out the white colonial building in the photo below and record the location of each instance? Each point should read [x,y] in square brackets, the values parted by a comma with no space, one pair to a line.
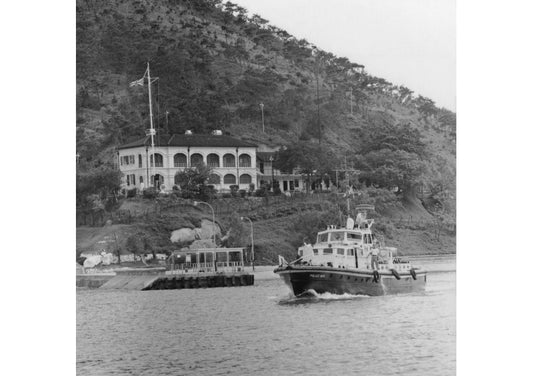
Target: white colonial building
[233,161]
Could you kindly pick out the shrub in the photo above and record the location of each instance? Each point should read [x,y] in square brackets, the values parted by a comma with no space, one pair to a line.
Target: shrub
[242,192]
[207,193]
[261,192]
[251,187]
[234,189]
[150,193]
[131,193]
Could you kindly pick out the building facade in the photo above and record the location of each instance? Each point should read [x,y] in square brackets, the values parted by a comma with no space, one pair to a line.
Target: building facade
[266,173]
[233,161]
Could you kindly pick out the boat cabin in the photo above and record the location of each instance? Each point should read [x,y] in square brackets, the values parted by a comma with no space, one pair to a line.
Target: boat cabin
[350,247]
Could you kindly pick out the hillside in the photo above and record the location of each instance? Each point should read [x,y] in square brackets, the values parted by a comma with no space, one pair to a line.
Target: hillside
[280,225]
[215,64]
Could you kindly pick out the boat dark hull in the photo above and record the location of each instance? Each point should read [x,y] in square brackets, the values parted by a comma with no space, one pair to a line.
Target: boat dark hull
[343,281]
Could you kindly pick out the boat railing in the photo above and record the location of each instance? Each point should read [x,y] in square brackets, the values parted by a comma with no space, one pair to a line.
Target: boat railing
[206,267]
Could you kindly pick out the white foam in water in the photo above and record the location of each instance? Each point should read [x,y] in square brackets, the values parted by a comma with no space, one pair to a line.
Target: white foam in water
[330,296]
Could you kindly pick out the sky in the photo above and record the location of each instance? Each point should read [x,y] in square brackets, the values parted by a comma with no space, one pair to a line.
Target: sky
[407,42]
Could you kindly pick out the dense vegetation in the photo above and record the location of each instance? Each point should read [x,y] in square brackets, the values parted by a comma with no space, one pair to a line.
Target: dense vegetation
[215,64]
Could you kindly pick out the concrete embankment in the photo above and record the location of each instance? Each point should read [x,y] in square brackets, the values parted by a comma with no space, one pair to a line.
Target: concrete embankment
[93,280]
[159,279]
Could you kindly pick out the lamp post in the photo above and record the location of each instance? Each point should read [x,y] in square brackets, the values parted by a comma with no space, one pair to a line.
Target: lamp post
[262,115]
[252,236]
[271,159]
[196,203]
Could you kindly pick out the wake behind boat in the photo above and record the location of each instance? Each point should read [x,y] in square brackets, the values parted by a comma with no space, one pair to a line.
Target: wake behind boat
[350,260]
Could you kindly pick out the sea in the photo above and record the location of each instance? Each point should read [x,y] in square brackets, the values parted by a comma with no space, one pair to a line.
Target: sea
[263,330]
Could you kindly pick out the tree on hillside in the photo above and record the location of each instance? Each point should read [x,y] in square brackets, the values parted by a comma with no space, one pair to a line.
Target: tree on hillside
[308,158]
[390,169]
[193,182]
[393,137]
[99,182]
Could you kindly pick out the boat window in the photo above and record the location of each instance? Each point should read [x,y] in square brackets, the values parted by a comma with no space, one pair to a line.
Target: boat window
[315,251]
[327,251]
[350,252]
[322,238]
[337,236]
[354,236]
[340,251]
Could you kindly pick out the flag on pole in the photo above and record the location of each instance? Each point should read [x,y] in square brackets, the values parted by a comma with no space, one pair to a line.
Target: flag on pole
[139,82]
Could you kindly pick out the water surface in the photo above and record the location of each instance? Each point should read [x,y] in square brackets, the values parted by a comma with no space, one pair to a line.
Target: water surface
[261,330]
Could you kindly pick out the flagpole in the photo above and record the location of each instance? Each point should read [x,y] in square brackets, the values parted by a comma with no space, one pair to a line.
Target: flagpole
[152,131]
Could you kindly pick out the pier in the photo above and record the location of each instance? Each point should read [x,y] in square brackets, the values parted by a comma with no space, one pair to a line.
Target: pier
[203,268]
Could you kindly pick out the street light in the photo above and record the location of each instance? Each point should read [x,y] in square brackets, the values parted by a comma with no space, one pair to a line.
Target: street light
[262,115]
[195,203]
[252,236]
[271,159]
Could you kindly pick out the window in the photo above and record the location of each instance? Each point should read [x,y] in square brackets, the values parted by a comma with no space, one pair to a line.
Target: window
[130,180]
[141,179]
[214,179]
[340,251]
[196,160]
[315,251]
[180,160]
[354,236]
[229,160]
[140,160]
[158,160]
[245,160]
[127,160]
[350,252]
[213,160]
[230,179]
[337,236]
[296,183]
[322,238]
[246,179]
[327,251]
[261,167]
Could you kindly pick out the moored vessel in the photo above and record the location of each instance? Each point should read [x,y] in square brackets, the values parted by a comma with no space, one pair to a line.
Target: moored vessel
[350,260]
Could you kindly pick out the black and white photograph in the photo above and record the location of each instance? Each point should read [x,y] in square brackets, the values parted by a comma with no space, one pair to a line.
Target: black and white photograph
[265,187]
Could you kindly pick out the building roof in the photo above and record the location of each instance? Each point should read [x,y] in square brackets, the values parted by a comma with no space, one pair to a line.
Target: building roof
[265,155]
[208,140]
